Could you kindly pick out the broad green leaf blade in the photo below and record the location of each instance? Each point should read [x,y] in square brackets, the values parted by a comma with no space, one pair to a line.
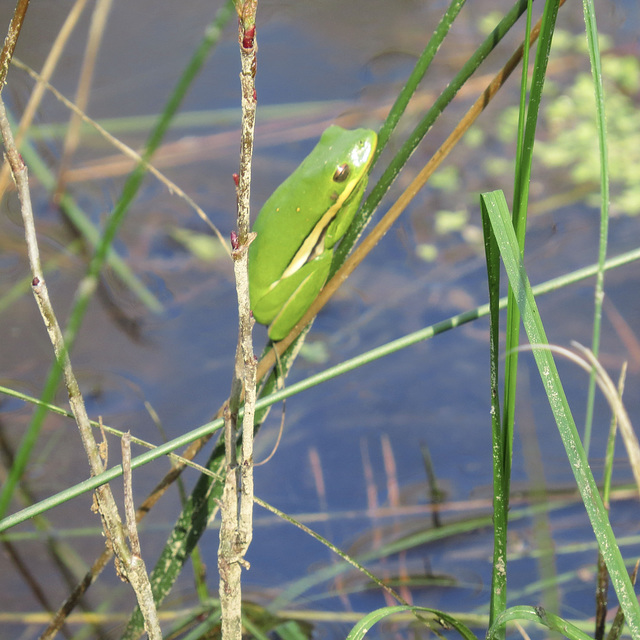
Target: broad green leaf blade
[501,439]
[496,208]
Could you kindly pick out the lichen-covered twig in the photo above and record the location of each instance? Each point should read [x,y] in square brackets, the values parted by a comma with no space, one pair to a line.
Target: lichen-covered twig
[236,505]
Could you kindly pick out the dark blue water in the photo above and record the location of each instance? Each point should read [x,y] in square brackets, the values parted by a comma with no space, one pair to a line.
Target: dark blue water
[433,396]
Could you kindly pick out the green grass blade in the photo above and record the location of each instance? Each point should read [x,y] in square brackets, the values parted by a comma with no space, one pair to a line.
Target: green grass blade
[524,156]
[344,367]
[439,617]
[539,615]
[417,74]
[497,210]
[500,440]
[596,70]
[525,150]
[201,119]
[395,166]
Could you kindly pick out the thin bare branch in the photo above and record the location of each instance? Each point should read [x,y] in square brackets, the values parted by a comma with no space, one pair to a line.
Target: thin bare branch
[48,68]
[128,565]
[12,39]
[96,31]
[126,150]
[236,506]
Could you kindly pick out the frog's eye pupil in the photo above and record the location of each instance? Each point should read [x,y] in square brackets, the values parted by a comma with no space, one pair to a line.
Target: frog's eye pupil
[342,173]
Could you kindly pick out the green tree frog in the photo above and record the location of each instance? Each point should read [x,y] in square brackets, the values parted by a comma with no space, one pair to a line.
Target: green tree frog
[299,225]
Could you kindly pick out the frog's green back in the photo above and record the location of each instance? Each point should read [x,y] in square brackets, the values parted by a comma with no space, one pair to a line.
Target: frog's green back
[298,203]
[320,189]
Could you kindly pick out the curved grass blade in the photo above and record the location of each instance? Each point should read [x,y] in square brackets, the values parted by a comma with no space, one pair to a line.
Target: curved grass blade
[495,206]
[439,617]
[539,615]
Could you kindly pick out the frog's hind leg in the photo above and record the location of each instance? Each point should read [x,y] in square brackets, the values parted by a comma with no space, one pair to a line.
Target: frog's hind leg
[301,298]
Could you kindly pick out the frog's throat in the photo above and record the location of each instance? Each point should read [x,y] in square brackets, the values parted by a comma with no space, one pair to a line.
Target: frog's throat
[307,249]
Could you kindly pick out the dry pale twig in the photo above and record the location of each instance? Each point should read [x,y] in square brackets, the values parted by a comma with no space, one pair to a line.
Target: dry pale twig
[48,68]
[103,497]
[589,363]
[236,505]
[72,139]
[12,39]
[126,150]
[129,508]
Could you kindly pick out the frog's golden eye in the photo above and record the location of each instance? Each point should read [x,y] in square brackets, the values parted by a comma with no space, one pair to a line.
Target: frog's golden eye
[342,173]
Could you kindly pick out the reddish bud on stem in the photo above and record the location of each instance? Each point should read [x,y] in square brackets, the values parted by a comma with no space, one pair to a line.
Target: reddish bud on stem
[249,37]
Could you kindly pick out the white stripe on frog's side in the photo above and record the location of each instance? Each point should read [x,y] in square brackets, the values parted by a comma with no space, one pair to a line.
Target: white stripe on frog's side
[307,248]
